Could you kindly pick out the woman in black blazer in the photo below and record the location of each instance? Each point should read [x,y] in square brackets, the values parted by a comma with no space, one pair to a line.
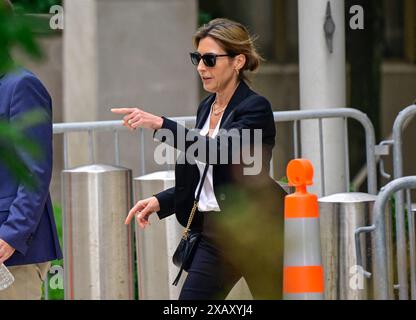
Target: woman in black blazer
[240,212]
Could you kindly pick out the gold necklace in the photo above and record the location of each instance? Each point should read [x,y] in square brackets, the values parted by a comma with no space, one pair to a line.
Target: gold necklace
[217,112]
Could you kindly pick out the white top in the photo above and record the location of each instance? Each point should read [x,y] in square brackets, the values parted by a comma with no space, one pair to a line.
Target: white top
[207,199]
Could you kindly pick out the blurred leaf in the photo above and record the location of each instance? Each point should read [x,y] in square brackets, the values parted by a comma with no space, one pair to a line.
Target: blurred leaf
[18,168]
[18,29]
[203,18]
[30,119]
[36,6]
[283,179]
[12,137]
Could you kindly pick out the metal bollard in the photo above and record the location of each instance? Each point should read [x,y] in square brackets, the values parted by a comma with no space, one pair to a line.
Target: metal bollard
[98,250]
[341,214]
[156,244]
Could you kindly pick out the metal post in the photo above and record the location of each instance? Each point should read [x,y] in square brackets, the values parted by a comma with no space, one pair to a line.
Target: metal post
[347,156]
[411,230]
[295,139]
[341,214]
[156,244]
[98,252]
[323,84]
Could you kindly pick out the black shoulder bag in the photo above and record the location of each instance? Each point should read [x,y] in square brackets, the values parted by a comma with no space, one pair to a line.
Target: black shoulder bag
[184,253]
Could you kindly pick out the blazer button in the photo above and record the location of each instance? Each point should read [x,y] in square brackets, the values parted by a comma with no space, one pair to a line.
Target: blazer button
[222,196]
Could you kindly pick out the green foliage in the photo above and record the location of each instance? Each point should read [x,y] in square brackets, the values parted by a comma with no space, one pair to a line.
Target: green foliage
[203,17]
[36,6]
[283,180]
[15,31]
[18,29]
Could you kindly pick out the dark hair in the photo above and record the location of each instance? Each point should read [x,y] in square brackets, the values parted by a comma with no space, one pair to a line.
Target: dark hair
[234,38]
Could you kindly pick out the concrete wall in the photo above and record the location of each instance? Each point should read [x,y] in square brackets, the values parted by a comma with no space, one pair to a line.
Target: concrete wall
[126,53]
[398,92]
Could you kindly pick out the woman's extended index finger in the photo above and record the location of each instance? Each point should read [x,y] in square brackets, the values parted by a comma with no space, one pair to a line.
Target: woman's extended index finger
[122,110]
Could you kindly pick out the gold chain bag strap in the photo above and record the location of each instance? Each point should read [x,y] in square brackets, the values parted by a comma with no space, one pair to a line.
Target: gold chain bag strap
[184,253]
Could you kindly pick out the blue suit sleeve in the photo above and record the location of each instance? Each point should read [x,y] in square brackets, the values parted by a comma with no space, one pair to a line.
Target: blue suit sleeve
[27,208]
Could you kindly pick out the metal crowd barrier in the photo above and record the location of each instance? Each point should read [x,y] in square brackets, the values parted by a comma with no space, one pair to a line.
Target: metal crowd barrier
[344,113]
[340,215]
[280,116]
[404,246]
[94,127]
[400,124]
[383,289]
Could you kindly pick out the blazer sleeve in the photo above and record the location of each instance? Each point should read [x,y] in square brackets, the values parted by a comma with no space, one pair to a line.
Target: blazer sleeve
[166,198]
[27,208]
[166,202]
[255,113]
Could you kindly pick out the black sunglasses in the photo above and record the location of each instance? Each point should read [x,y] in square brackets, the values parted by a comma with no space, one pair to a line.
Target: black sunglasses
[210,59]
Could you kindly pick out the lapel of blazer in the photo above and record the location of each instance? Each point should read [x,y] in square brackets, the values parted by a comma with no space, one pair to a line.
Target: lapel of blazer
[239,95]
[204,112]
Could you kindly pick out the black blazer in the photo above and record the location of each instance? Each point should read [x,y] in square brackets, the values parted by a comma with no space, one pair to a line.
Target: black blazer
[246,110]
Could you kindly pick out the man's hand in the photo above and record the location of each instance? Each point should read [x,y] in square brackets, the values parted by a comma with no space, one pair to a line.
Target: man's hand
[6,251]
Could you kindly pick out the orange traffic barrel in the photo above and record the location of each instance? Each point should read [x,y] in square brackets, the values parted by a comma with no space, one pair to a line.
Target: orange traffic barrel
[303,274]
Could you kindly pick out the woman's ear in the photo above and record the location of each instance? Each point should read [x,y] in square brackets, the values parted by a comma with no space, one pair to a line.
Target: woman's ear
[240,61]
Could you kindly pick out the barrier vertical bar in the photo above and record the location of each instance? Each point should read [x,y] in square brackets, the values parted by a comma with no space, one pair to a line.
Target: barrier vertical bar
[411,230]
[347,156]
[322,161]
[399,204]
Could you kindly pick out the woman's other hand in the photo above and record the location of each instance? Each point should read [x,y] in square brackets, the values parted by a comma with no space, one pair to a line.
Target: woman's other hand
[142,210]
[134,118]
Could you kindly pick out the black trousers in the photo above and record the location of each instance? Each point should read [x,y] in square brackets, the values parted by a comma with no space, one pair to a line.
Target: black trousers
[214,271]
[209,276]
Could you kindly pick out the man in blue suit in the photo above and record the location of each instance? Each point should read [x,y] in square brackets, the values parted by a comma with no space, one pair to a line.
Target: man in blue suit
[28,236]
